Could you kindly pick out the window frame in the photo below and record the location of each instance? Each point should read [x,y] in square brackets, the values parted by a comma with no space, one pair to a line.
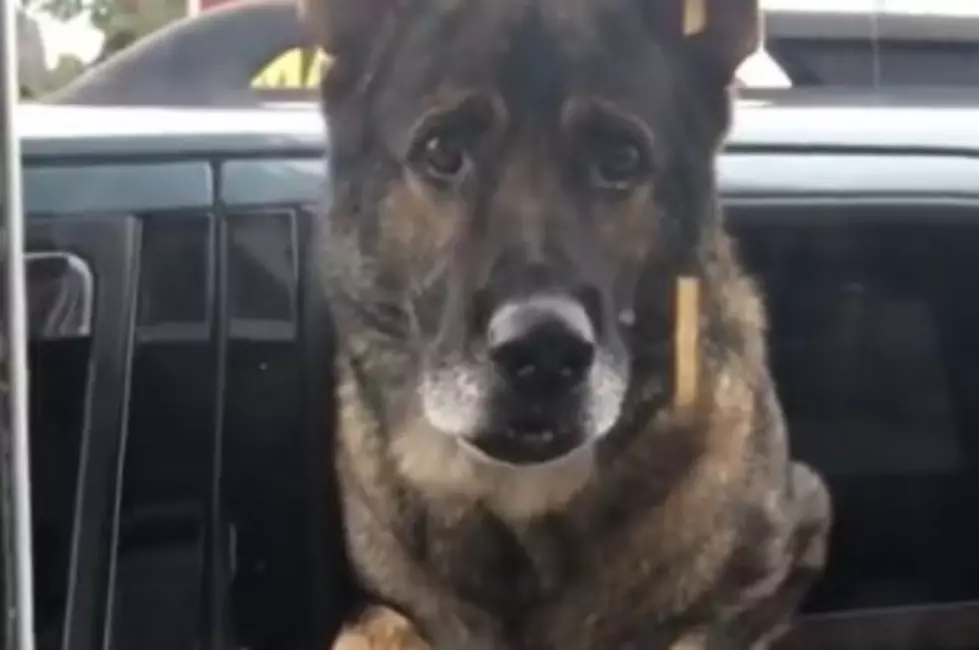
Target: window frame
[16,553]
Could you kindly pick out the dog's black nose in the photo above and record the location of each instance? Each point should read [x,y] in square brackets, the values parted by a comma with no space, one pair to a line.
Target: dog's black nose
[543,345]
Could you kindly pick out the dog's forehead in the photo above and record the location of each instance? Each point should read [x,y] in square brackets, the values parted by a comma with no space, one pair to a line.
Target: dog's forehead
[566,13]
[576,24]
[534,53]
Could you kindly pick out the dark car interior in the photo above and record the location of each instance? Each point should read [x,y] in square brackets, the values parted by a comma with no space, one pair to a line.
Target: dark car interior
[180,442]
[872,348]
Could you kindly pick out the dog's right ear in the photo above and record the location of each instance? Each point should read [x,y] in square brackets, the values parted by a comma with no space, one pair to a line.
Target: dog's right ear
[347,30]
[720,33]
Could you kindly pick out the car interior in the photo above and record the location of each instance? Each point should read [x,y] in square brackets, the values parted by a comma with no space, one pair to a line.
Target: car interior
[876,366]
[198,486]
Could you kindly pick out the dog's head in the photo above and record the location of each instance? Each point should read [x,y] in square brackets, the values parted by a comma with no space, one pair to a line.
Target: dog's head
[517,185]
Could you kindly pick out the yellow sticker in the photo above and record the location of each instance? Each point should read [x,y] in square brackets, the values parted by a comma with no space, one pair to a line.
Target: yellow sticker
[694,16]
[292,70]
[686,341]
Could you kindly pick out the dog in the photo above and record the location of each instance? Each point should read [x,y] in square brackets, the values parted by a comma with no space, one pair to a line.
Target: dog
[556,428]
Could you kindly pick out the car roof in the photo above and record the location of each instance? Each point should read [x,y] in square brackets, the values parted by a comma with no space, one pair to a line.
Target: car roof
[803,120]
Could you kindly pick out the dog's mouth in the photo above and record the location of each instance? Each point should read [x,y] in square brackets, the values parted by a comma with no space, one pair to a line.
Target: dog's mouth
[529,440]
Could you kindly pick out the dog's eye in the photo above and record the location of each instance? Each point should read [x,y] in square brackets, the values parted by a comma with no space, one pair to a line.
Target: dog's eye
[617,162]
[443,156]
[613,156]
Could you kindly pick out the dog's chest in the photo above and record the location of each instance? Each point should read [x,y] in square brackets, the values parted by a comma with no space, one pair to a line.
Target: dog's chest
[509,572]
[544,583]
[558,584]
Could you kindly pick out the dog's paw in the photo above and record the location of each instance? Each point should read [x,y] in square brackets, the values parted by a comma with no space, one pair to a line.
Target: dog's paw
[693,641]
[380,628]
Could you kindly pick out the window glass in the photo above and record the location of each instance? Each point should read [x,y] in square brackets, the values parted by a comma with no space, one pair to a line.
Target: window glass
[876,362]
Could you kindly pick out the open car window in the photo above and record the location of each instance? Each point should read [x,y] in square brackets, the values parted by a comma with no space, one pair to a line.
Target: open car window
[874,354]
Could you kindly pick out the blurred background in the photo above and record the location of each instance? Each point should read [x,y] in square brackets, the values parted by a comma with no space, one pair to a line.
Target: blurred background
[59,39]
[839,45]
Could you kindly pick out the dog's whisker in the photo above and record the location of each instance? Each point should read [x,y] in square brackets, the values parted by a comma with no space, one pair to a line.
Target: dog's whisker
[414,324]
[436,274]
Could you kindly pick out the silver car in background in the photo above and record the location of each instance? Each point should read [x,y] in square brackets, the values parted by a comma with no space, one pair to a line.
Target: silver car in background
[875,44]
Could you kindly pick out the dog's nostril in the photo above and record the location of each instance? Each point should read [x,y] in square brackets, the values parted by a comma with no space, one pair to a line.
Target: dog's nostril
[547,358]
[542,346]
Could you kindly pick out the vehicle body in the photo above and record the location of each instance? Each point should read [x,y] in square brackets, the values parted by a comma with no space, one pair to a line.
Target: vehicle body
[879,44]
[181,385]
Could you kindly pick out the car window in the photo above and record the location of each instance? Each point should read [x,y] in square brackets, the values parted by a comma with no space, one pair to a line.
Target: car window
[877,366]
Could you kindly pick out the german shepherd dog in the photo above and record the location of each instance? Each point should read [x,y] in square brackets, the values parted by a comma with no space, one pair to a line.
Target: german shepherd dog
[557,429]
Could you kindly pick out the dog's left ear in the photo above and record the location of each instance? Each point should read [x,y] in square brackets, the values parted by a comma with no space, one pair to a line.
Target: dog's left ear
[720,34]
[347,30]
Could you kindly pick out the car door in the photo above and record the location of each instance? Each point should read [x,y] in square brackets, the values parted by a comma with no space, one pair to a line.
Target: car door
[873,350]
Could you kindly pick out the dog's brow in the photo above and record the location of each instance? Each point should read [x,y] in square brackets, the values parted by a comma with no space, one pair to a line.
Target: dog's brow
[446,100]
[578,108]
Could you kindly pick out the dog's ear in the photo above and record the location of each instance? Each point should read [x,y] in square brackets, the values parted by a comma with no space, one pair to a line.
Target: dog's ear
[347,29]
[721,34]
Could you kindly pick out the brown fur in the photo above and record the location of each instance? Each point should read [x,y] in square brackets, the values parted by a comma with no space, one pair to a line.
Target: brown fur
[679,529]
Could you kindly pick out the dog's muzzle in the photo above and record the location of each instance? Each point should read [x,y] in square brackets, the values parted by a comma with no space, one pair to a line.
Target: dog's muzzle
[547,385]
[542,350]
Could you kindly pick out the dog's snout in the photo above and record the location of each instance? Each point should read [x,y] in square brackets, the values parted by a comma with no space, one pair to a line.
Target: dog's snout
[542,345]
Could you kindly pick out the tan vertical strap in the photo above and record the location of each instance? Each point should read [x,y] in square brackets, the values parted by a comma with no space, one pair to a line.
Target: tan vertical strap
[694,16]
[686,351]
